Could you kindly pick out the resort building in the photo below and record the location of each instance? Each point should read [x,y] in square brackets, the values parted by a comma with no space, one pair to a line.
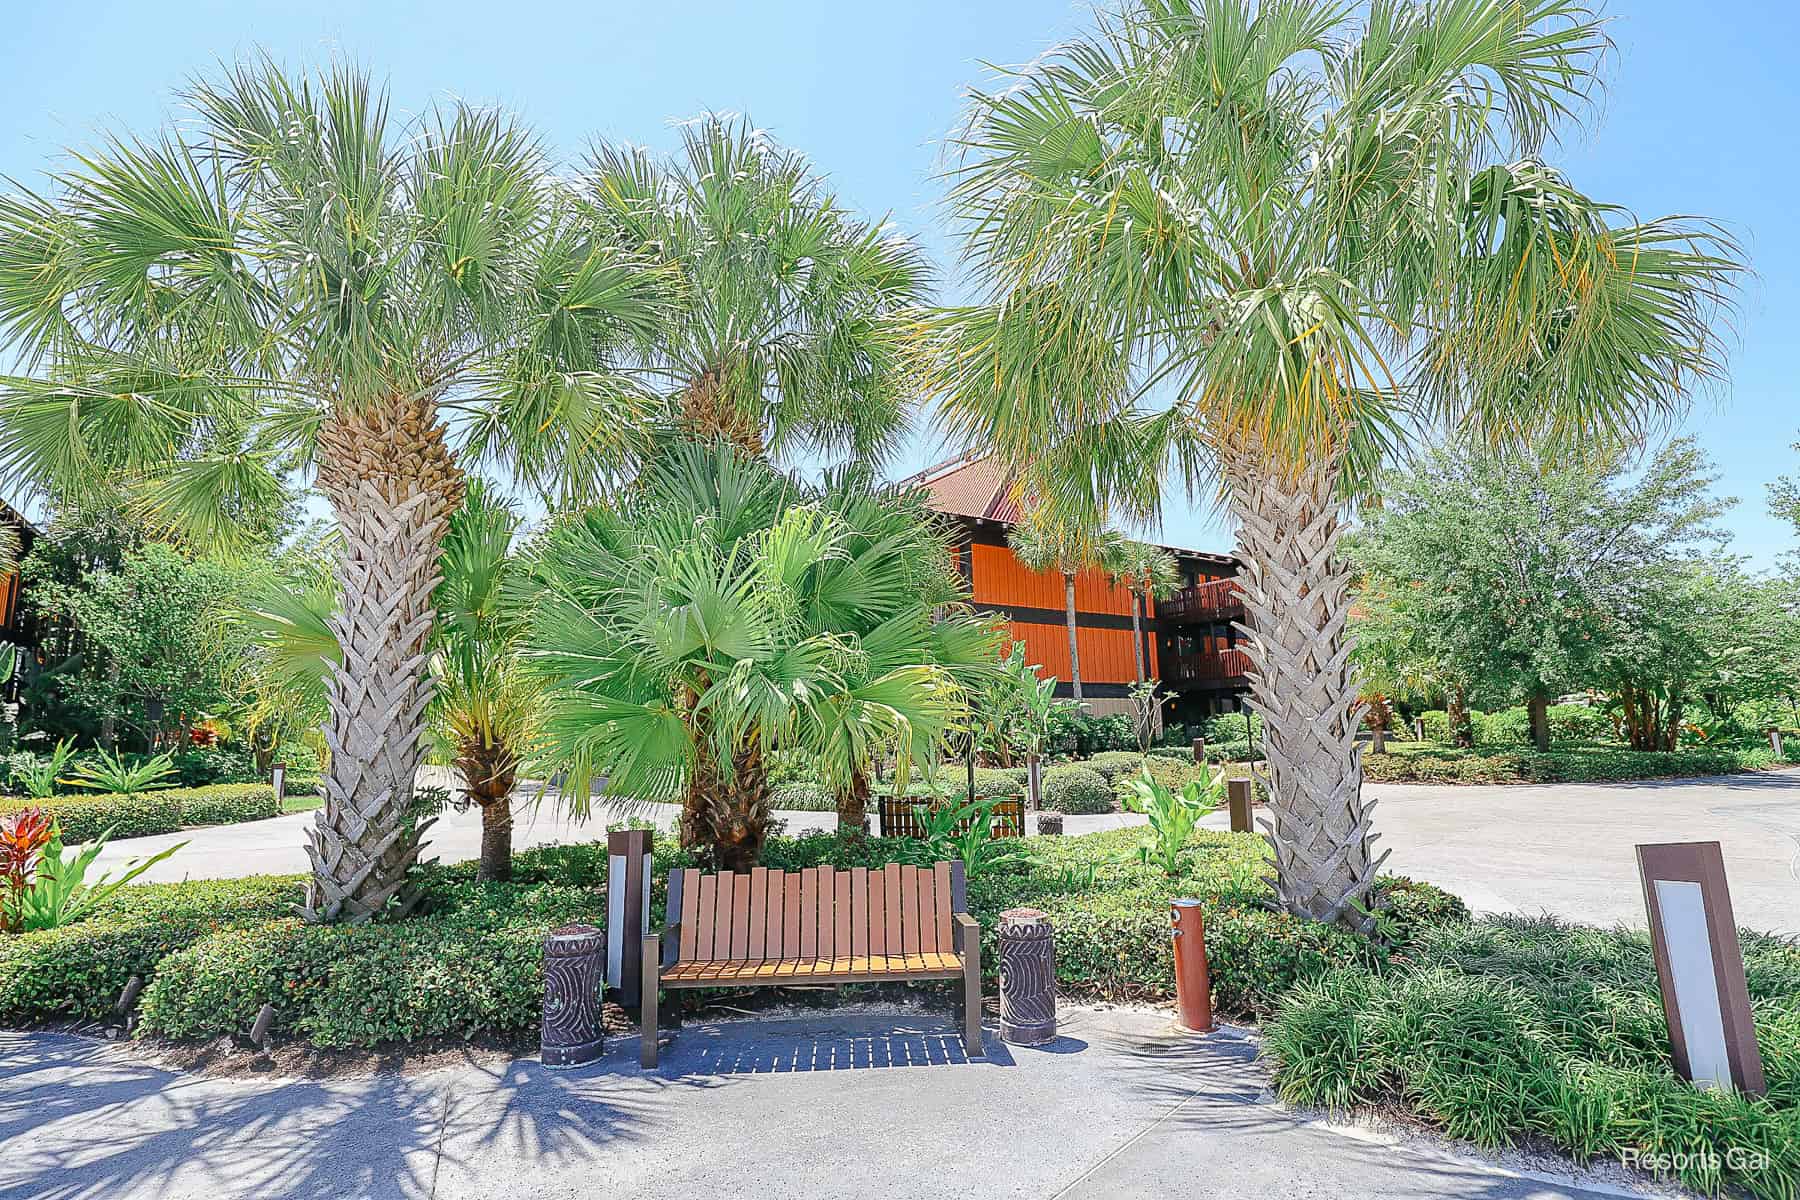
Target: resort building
[1189,640]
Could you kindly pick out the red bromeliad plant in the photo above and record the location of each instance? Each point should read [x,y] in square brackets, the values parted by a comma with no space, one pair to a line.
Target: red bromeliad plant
[23,836]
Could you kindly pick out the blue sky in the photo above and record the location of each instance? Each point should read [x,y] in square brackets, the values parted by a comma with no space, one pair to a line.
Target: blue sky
[1697,119]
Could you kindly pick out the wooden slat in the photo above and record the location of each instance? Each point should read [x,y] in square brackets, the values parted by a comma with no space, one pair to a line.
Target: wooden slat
[943,965]
[928,932]
[859,912]
[909,912]
[946,939]
[809,913]
[841,945]
[690,915]
[759,914]
[729,882]
[893,872]
[777,907]
[790,916]
[740,919]
[827,912]
[877,912]
[705,916]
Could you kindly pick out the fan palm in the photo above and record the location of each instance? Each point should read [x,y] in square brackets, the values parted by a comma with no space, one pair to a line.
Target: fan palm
[1149,572]
[720,612]
[294,274]
[1054,539]
[784,327]
[1270,242]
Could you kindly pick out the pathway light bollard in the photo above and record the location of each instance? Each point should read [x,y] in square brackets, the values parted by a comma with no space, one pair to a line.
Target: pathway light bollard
[1418,729]
[1027,977]
[1237,792]
[1193,983]
[278,779]
[1034,781]
[572,1035]
[1199,750]
[628,854]
[1049,824]
[1775,742]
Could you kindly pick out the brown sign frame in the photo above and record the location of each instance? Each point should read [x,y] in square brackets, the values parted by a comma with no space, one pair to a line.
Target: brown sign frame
[1703,863]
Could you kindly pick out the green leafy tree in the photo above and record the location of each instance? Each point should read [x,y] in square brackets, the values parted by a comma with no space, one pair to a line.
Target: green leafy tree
[1262,244]
[1525,580]
[293,273]
[784,313]
[1784,499]
[722,612]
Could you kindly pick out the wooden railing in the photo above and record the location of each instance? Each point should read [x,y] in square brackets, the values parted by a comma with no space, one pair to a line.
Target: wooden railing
[1214,600]
[1206,667]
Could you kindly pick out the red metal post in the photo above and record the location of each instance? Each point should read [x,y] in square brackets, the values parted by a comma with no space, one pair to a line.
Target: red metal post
[1193,983]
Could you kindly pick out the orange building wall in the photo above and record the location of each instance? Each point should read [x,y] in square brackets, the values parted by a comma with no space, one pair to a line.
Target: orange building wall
[1105,653]
[1002,579]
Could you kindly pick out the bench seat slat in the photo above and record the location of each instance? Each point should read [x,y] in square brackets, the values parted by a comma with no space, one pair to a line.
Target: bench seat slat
[872,966]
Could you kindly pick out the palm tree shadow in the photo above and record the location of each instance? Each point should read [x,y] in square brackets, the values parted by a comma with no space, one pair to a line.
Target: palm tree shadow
[841,1042]
[80,1121]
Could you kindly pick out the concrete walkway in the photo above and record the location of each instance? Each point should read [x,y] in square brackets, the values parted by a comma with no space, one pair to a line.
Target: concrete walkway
[1561,848]
[881,1103]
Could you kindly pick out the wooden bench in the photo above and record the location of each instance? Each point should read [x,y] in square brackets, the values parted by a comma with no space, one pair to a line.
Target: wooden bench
[820,925]
[900,818]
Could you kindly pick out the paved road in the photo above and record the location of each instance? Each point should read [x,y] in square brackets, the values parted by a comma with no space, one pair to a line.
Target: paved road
[1562,848]
[881,1103]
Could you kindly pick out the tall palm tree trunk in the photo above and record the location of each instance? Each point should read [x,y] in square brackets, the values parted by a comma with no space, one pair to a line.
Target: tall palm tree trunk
[1296,598]
[393,483]
[741,819]
[1137,632]
[1074,646]
[853,807]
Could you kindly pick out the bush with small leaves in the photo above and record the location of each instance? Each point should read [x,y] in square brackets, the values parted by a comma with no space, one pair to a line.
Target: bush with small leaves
[1076,790]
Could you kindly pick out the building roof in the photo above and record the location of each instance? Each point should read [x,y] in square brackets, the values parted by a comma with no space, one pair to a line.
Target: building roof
[976,487]
[973,485]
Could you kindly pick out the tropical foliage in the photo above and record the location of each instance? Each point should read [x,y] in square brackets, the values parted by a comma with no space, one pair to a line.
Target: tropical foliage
[1262,244]
[722,611]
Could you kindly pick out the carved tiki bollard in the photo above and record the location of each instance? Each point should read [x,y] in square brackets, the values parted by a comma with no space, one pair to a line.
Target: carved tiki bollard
[572,978]
[1027,977]
[1049,824]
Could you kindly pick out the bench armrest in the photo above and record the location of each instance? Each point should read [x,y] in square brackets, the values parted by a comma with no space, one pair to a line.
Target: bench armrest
[966,927]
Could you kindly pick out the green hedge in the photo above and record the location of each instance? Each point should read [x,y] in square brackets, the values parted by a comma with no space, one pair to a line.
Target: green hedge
[215,951]
[83,818]
[1416,764]
[1076,789]
[79,970]
[1513,1028]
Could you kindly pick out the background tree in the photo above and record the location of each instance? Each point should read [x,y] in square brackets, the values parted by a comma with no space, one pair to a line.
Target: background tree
[1526,579]
[290,272]
[1307,230]
[784,313]
[1148,571]
[1051,539]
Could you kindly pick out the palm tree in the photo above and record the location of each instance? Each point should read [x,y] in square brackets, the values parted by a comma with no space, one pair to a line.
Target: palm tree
[292,275]
[1149,571]
[785,313]
[1050,539]
[486,708]
[722,611]
[1270,242]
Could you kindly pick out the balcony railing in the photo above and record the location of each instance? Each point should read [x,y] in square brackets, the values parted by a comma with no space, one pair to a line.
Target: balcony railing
[1214,600]
[1217,666]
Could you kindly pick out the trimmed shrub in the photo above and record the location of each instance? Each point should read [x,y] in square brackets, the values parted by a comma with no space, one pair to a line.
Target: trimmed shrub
[1113,763]
[77,971]
[1076,789]
[83,818]
[1095,735]
[1229,727]
[1588,764]
[802,797]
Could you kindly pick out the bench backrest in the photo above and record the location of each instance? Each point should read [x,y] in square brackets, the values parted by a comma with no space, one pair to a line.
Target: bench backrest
[818,913]
[899,817]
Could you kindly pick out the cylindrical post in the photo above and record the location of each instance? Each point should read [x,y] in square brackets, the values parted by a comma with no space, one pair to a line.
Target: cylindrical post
[1775,741]
[1418,729]
[571,1032]
[969,761]
[1193,982]
[1049,824]
[1027,977]
[1034,781]
[1199,750]
[1237,792]
[278,777]
[1378,745]
[628,854]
